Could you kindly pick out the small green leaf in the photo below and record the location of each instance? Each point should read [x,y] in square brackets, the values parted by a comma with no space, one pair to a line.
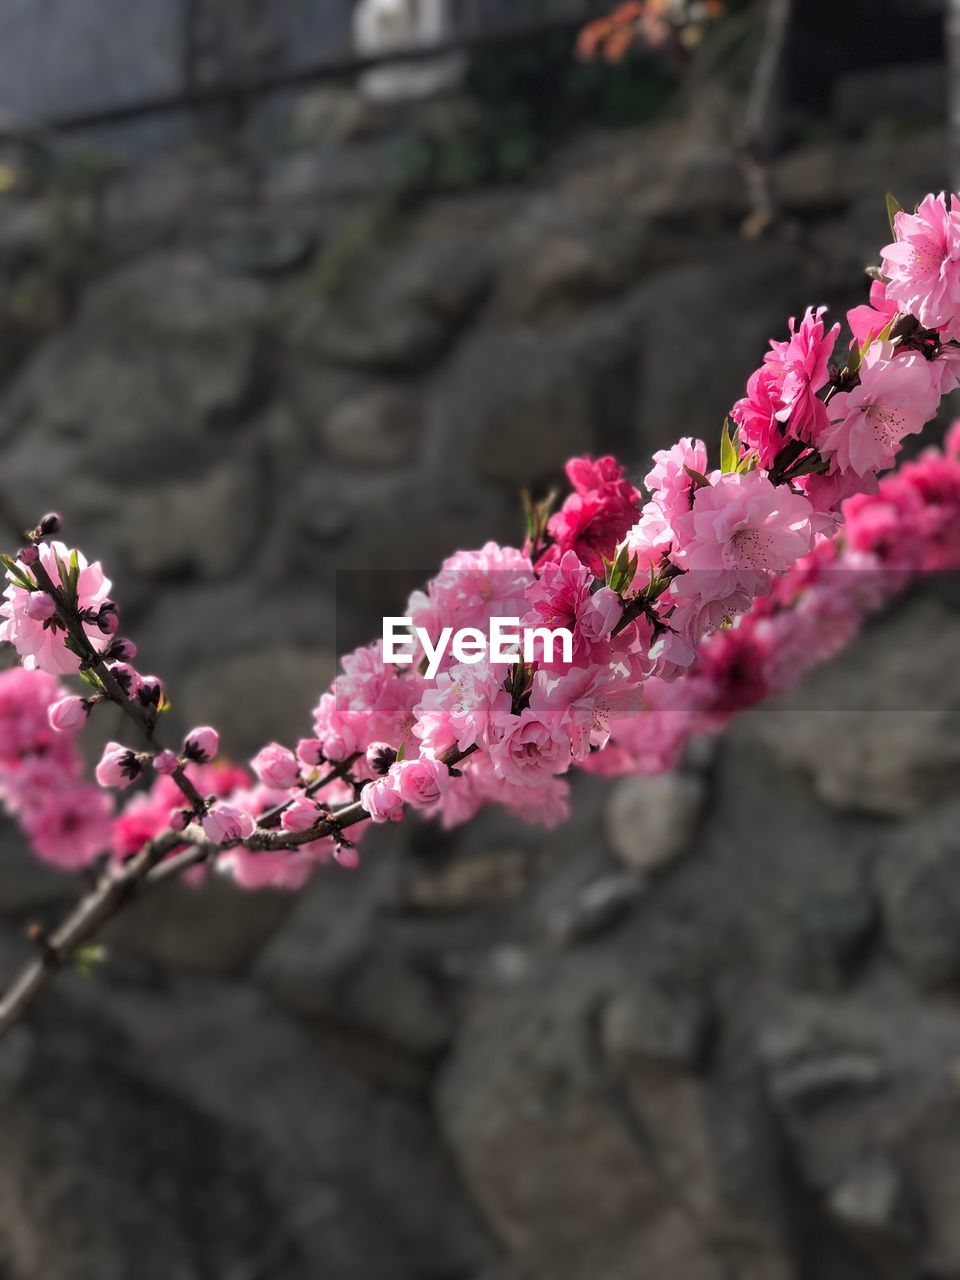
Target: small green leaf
[697,476]
[88,958]
[893,208]
[16,574]
[729,453]
[401,754]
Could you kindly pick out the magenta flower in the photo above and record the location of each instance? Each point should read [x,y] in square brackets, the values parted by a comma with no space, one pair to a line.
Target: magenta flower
[596,517]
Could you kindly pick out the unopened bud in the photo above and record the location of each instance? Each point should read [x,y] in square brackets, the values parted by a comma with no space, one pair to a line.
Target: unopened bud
[380,756]
[50,524]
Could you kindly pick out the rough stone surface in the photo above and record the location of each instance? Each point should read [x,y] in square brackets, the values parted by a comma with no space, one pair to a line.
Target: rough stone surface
[652,820]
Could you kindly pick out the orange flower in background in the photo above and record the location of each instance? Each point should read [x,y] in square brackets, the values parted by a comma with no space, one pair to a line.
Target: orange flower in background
[650,21]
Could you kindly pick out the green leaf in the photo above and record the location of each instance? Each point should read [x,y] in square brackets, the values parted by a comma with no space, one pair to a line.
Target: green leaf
[401,754]
[74,572]
[698,476]
[88,958]
[893,208]
[729,453]
[16,574]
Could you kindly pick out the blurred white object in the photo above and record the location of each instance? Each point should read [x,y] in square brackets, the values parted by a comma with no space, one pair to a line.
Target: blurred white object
[383,26]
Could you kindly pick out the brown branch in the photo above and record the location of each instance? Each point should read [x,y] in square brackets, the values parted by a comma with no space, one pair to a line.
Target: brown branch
[151,867]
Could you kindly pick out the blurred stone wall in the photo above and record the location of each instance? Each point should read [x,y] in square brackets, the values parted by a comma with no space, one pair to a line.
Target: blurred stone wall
[706,1031]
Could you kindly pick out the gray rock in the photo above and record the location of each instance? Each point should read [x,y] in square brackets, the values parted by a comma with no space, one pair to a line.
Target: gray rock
[377,428]
[332,962]
[650,821]
[397,316]
[472,881]
[659,1021]
[832,937]
[873,1202]
[599,906]
[918,880]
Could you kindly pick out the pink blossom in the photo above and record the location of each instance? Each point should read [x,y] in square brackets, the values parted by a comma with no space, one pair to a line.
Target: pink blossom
[596,517]
[118,767]
[276,766]
[531,746]
[670,482]
[165,762]
[69,826]
[895,397]
[39,607]
[69,714]
[741,529]
[225,822]
[201,744]
[381,800]
[300,815]
[585,703]
[459,709]
[867,321]
[310,752]
[41,643]
[781,403]
[923,264]
[421,782]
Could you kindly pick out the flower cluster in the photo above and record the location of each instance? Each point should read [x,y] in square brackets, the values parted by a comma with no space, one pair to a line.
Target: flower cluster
[718,586]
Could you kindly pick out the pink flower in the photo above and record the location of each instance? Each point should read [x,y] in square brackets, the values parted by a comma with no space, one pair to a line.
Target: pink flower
[742,529]
[923,264]
[201,744]
[69,826]
[300,815]
[532,745]
[894,399]
[166,763]
[585,702]
[458,709]
[382,801]
[225,822]
[39,607]
[310,752]
[670,482]
[118,767]
[420,782]
[276,766]
[781,403]
[563,598]
[69,714]
[867,321]
[40,643]
[595,518]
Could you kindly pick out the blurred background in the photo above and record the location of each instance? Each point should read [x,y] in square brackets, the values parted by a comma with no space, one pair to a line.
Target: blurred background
[277,310]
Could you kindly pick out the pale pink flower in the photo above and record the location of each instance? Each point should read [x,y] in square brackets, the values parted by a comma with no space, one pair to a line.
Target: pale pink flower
[742,528]
[276,766]
[41,643]
[381,800]
[923,264]
[531,746]
[896,395]
[225,822]
[300,815]
[421,782]
[69,714]
[166,762]
[118,767]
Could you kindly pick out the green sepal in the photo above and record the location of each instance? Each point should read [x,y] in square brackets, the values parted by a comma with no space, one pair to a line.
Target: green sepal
[893,208]
[729,453]
[16,574]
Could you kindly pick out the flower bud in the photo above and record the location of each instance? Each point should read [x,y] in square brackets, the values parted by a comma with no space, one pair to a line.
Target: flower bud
[126,677]
[310,751]
[120,649]
[166,762]
[150,691]
[118,767]
[380,756]
[180,819]
[40,607]
[201,744]
[224,823]
[68,714]
[50,524]
[108,619]
[301,815]
[276,766]
[28,555]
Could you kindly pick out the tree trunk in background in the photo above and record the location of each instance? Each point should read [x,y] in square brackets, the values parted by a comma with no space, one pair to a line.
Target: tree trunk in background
[953,64]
